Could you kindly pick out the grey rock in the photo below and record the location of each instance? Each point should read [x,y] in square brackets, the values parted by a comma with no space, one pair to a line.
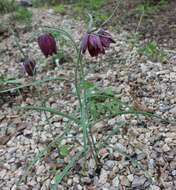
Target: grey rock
[151,163]
[164,108]
[165,148]
[138,181]
[173,110]
[109,165]
[120,147]
[154,187]
[12,150]
[141,156]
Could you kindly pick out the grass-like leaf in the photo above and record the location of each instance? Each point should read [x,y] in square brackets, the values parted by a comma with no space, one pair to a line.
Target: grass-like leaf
[59,177]
[30,84]
[53,111]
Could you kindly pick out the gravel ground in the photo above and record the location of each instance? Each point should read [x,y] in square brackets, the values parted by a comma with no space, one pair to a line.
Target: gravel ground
[141,155]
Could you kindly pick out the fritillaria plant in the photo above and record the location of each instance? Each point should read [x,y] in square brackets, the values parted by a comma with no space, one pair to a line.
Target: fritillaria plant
[96,43]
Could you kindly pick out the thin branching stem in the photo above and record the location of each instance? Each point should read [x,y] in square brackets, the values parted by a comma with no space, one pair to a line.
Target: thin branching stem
[111,16]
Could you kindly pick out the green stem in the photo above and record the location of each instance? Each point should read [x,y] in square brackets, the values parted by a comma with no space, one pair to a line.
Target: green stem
[79,70]
[90,23]
[94,149]
[111,16]
[83,107]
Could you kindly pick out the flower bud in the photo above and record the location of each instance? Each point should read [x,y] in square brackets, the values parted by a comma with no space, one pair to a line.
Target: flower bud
[29,66]
[47,44]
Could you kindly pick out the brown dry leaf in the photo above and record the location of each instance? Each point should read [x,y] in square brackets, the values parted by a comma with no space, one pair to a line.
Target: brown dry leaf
[2,117]
[19,129]
[4,139]
[141,107]
[56,165]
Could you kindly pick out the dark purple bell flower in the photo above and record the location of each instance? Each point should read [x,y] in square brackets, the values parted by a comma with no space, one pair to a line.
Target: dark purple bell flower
[29,66]
[96,42]
[105,37]
[93,44]
[47,44]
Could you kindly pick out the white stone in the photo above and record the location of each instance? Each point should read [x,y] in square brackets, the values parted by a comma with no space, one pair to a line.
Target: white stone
[76,179]
[154,187]
[40,169]
[165,148]
[103,176]
[14,187]
[79,187]
[120,147]
[174,172]
[69,182]
[116,182]
[130,177]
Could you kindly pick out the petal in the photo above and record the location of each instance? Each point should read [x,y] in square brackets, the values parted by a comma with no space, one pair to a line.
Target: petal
[29,66]
[105,37]
[42,41]
[105,42]
[93,40]
[99,44]
[92,50]
[84,43]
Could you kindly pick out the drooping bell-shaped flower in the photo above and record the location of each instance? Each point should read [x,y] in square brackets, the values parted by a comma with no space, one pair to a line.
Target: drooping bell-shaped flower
[29,66]
[96,43]
[105,37]
[47,44]
[93,44]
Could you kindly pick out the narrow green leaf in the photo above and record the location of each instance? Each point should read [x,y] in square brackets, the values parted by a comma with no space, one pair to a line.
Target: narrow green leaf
[53,111]
[34,83]
[73,161]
